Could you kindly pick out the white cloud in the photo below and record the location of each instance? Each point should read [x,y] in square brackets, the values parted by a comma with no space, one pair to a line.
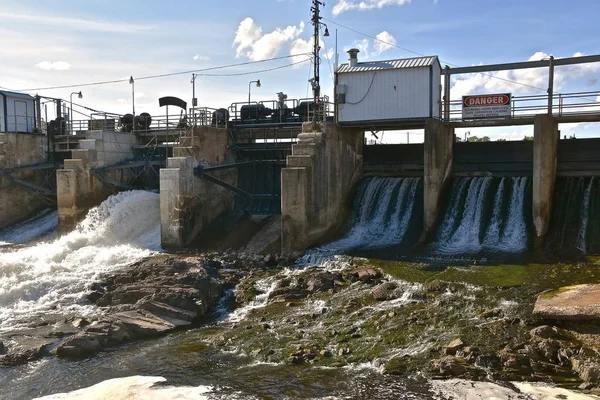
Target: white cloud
[347,5]
[54,66]
[121,101]
[74,23]
[252,43]
[384,42]
[199,57]
[522,81]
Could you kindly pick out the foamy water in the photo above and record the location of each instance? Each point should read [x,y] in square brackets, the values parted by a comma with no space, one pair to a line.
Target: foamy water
[33,228]
[54,276]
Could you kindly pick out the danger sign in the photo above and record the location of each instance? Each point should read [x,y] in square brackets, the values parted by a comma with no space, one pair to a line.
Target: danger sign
[486,106]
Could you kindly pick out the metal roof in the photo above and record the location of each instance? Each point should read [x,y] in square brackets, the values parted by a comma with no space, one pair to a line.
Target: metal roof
[16,94]
[389,64]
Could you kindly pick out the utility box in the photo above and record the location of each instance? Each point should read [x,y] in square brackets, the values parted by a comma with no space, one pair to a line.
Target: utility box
[382,92]
[17,112]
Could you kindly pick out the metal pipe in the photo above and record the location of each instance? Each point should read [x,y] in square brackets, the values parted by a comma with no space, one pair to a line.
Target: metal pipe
[447,94]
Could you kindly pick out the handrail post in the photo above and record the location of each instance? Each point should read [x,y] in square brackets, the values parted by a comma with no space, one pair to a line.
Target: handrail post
[447,94]
[550,84]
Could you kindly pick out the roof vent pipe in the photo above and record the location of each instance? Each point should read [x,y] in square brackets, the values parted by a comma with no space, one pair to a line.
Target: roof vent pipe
[353,57]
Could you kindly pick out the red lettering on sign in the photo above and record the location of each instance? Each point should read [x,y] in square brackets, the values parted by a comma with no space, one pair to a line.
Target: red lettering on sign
[486,100]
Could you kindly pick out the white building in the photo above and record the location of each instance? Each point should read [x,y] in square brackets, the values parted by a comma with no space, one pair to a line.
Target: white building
[17,112]
[385,92]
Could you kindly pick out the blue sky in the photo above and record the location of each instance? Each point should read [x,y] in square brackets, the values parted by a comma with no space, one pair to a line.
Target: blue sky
[51,43]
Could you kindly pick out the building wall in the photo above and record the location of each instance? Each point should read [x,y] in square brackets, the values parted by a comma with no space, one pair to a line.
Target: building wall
[390,94]
[16,202]
[17,120]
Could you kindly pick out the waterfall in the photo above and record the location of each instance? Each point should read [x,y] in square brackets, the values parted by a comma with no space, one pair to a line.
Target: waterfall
[484,214]
[585,216]
[383,210]
[53,276]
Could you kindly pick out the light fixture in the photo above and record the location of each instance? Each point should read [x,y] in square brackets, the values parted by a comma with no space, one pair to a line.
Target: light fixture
[80,95]
[131,80]
[258,83]
[326,33]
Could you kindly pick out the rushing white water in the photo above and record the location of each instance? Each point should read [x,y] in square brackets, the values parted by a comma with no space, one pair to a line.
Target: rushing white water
[585,217]
[465,222]
[53,277]
[383,209]
[31,229]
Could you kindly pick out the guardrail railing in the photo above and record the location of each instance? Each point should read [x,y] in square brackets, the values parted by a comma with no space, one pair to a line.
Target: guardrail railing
[577,103]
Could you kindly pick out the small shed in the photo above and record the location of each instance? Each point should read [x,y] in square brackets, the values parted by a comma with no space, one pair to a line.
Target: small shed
[382,92]
[17,112]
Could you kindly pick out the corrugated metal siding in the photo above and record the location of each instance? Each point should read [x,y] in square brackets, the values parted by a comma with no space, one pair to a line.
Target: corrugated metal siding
[2,121]
[417,62]
[436,91]
[16,95]
[409,99]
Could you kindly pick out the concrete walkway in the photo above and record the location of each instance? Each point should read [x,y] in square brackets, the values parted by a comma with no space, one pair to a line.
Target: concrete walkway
[569,303]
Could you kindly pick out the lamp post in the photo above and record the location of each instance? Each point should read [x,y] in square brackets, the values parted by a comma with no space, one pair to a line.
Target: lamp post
[132,83]
[467,133]
[194,99]
[250,85]
[79,95]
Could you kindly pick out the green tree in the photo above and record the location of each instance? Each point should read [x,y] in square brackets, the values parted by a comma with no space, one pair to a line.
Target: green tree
[530,138]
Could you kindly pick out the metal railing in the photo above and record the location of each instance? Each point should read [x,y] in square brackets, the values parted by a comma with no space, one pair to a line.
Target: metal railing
[17,123]
[577,103]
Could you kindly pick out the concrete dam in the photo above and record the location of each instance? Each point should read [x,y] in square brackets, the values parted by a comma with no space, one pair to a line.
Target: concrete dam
[308,161]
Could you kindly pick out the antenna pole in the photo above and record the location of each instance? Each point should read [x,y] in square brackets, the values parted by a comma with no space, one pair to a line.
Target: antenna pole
[316,21]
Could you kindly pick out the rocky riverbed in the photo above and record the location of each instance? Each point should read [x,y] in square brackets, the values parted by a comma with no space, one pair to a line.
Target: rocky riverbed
[471,322]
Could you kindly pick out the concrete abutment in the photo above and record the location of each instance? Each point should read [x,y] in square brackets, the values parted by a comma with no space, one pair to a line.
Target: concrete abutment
[189,203]
[545,142]
[438,159]
[316,184]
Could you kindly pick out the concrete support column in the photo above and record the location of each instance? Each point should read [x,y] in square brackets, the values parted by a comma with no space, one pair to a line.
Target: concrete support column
[438,149]
[545,140]
[316,184]
[76,190]
[175,193]
[295,192]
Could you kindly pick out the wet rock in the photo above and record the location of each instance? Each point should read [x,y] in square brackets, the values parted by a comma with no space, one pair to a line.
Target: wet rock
[452,347]
[495,313]
[385,291]
[546,332]
[144,325]
[488,361]
[80,322]
[367,274]
[2,347]
[79,346]
[587,370]
[587,353]
[319,282]
[549,349]
[449,366]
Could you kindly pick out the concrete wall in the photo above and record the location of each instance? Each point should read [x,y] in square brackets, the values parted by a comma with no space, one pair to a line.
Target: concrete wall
[77,189]
[16,202]
[438,158]
[316,184]
[545,140]
[187,202]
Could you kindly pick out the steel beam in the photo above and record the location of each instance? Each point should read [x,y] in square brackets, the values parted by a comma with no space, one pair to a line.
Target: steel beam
[522,65]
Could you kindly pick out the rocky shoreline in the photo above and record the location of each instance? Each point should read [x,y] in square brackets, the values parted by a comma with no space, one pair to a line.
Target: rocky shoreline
[400,320]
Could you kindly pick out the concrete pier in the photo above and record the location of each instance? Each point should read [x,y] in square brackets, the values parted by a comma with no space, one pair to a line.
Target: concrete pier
[317,182]
[77,190]
[18,150]
[438,159]
[187,202]
[545,140]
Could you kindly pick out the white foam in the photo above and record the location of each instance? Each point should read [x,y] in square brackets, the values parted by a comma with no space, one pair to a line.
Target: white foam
[133,388]
[468,390]
[54,276]
[33,228]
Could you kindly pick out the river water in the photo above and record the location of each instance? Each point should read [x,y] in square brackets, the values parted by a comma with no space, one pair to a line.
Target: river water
[43,273]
